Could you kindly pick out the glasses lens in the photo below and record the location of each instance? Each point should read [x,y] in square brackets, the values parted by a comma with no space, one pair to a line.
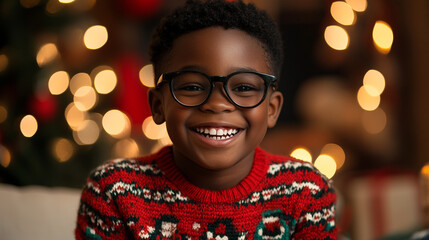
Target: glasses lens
[246,89]
[190,88]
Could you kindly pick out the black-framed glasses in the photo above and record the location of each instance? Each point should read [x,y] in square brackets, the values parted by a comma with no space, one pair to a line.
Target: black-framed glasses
[246,89]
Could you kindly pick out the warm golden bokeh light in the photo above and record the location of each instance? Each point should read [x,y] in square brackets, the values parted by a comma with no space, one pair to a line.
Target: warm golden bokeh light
[85,5]
[336,37]
[336,152]
[326,165]
[126,148]
[46,54]
[74,116]
[66,1]
[58,82]
[5,156]
[152,130]
[358,5]
[382,35]
[302,154]
[85,98]
[425,170]
[79,80]
[146,76]
[366,101]
[3,114]
[62,149]
[29,3]
[375,121]
[116,123]
[4,62]
[342,13]
[87,133]
[95,37]
[105,81]
[165,141]
[374,82]
[28,126]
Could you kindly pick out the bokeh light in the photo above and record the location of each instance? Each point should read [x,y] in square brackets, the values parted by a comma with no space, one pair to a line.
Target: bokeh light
[358,5]
[165,141]
[62,149]
[87,133]
[366,101]
[116,123]
[84,5]
[342,13]
[85,98]
[3,113]
[326,165]
[46,54]
[152,130]
[375,121]
[5,156]
[336,37]
[374,82]
[146,76]
[95,37]
[29,3]
[105,81]
[74,116]
[126,148]
[79,80]
[28,126]
[58,82]
[66,1]
[4,62]
[336,152]
[425,171]
[302,154]
[382,35]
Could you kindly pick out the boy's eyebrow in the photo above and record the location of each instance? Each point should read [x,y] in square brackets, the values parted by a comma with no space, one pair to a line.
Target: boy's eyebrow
[201,69]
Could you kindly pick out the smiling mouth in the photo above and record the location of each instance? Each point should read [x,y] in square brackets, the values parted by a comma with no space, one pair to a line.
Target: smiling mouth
[217,133]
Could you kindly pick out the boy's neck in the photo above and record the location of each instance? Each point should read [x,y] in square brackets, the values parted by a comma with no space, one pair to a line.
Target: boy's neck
[215,180]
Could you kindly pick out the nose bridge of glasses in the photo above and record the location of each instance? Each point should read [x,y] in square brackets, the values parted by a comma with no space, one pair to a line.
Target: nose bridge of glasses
[220,90]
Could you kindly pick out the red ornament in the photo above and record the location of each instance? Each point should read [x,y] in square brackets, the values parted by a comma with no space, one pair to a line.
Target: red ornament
[141,8]
[44,107]
[131,94]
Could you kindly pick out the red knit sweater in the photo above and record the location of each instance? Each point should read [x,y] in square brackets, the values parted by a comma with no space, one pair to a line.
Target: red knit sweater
[148,198]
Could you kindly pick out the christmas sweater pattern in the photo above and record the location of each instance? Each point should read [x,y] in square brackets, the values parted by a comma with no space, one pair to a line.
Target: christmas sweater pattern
[148,198]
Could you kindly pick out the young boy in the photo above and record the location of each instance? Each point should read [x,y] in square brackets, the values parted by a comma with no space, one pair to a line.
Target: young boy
[215,63]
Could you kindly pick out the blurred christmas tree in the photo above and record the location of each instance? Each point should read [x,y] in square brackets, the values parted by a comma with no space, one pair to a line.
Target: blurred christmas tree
[71,87]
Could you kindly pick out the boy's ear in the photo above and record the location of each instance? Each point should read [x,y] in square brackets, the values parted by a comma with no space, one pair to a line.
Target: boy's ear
[155,104]
[274,108]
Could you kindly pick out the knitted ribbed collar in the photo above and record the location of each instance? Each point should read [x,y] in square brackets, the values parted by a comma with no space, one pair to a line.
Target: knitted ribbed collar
[236,193]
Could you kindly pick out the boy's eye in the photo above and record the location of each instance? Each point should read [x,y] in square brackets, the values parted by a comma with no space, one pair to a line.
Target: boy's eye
[190,88]
[244,88]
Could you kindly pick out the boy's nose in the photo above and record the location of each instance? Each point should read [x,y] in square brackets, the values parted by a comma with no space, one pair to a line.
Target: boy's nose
[218,101]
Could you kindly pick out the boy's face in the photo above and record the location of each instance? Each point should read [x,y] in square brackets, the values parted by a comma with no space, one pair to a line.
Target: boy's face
[217,52]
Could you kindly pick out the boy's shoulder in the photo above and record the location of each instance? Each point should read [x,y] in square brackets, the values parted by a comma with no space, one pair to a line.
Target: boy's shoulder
[287,166]
[145,165]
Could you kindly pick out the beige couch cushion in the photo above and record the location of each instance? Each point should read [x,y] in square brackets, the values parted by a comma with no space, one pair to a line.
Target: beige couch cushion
[37,212]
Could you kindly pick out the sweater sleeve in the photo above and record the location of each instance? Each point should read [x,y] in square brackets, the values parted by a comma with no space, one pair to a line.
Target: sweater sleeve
[317,219]
[98,217]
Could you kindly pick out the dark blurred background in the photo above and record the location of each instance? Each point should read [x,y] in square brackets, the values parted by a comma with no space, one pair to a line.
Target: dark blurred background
[355,81]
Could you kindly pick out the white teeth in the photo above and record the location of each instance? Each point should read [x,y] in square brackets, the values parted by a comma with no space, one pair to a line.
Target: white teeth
[217,133]
[212,131]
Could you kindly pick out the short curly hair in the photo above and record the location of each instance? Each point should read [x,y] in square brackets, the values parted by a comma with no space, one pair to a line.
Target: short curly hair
[197,14]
